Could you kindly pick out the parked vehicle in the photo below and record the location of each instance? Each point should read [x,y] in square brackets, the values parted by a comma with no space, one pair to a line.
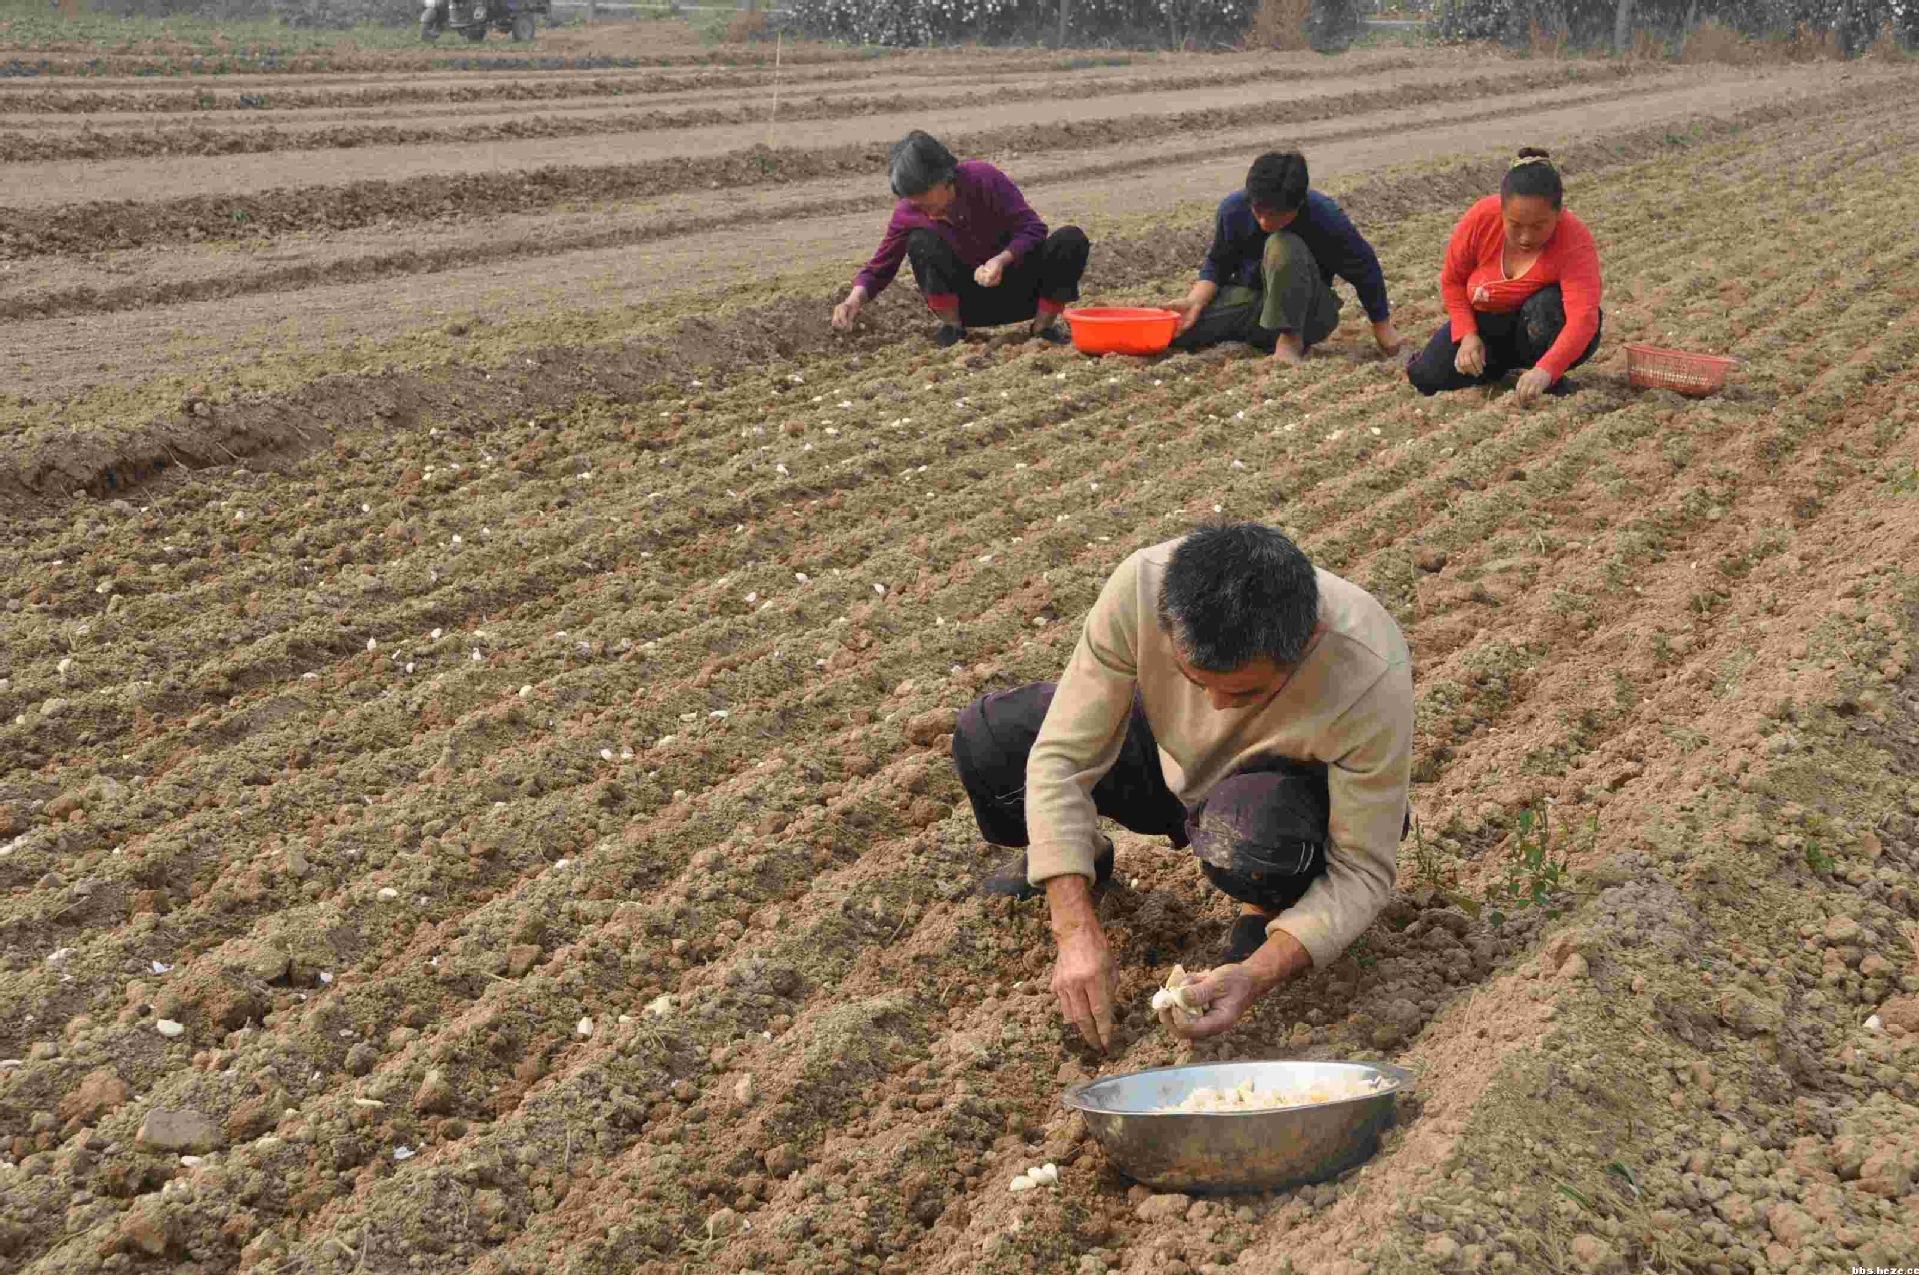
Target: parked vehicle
[472,18]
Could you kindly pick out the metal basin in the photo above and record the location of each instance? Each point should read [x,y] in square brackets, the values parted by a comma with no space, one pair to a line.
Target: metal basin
[1237,1150]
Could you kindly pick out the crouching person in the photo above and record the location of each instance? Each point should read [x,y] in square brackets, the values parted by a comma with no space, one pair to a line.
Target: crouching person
[1227,695]
[1267,278]
[1522,289]
[981,256]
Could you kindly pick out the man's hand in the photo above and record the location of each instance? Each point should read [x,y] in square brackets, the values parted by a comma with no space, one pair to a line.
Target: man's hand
[1083,976]
[1532,383]
[1224,994]
[1201,296]
[1471,359]
[988,275]
[847,312]
[1228,992]
[1386,336]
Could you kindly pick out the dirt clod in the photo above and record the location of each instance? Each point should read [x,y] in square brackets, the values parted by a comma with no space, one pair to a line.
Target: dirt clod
[178,1130]
[98,1093]
[147,1227]
[1156,1208]
[435,1094]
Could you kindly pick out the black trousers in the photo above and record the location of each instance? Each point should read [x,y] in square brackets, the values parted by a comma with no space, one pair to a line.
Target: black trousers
[1293,297]
[1514,342]
[1049,273]
[996,732]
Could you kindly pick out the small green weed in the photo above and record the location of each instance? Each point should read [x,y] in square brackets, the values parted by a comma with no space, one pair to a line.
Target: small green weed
[1434,869]
[1535,875]
[1818,860]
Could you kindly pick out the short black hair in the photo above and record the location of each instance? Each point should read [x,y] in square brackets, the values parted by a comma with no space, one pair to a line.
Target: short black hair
[1276,182]
[1234,592]
[1533,175]
[918,163]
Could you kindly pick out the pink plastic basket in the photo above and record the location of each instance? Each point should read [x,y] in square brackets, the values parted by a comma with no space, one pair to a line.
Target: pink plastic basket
[1652,367]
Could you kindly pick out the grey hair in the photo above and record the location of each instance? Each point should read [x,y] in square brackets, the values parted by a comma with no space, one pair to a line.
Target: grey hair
[1234,592]
[919,163]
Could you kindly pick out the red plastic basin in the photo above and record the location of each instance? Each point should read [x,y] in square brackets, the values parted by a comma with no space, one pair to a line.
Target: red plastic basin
[1122,329]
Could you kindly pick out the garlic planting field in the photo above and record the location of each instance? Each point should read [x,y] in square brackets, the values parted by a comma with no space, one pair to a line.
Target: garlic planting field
[491,812]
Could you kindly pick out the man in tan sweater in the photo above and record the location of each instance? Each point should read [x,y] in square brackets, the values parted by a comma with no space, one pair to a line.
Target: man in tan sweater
[1227,695]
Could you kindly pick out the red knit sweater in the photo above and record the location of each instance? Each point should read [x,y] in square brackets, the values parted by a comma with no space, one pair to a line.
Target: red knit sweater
[1474,281]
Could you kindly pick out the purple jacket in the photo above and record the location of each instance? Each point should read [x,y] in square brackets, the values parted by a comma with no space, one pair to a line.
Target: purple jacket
[988,216]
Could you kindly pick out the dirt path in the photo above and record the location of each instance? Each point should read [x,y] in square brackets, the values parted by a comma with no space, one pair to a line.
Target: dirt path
[222,92]
[466,102]
[64,356]
[222,101]
[43,185]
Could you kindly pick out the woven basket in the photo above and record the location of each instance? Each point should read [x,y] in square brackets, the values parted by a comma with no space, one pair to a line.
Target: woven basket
[1650,367]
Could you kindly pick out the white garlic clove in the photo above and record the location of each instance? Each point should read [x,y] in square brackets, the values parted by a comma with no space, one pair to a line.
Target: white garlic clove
[1177,995]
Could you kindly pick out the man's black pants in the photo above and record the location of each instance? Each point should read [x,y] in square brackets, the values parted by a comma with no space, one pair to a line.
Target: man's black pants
[1514,341]
[1049,274]
[996,732]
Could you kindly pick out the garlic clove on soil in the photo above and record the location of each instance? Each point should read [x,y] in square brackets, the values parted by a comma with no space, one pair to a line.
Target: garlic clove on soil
[1038,1176]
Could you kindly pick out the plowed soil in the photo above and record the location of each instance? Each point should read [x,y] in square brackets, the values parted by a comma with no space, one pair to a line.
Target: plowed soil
[493,700]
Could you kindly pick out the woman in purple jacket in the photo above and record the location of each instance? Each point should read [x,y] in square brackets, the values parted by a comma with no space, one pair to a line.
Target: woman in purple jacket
[980,255]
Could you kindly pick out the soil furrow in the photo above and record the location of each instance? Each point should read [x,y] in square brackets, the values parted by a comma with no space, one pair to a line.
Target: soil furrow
[83,226]
[243,109]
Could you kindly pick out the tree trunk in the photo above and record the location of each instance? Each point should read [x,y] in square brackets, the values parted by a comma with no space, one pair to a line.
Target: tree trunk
[1065,8]
[1622,27]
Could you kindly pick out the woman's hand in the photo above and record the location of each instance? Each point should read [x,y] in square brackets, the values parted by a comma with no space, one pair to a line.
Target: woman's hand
[847,312]
[1188,315]
[1386,337]
[988,275]
[1471,359]
[1532,384]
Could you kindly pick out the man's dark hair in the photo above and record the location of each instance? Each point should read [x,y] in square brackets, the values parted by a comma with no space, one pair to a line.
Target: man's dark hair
[1533,174]
[1276,183]
[919,163]
[1236,591]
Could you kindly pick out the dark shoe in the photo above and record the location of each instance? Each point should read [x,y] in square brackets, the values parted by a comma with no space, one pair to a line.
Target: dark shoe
[1247,936]
[1562,387]
[1008,881]
[1055,334]
[948,335]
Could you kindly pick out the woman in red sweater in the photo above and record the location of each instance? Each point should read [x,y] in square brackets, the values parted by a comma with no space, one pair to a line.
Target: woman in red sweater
[1521,285]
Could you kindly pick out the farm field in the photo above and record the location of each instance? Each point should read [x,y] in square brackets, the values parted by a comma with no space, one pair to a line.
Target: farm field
[478,656]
